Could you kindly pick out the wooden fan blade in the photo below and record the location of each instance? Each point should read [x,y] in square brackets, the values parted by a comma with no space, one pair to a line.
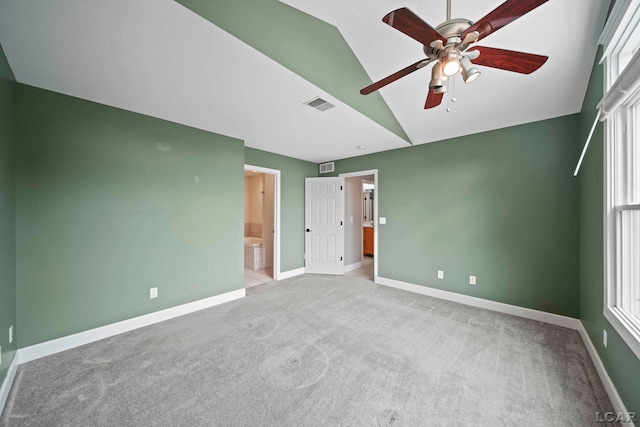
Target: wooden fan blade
[393,77]
[409,23]
[504,14]
[433,99]
[518,62]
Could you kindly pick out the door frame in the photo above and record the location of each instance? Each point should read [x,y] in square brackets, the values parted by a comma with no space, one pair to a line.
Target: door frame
[276,215]
[376,198]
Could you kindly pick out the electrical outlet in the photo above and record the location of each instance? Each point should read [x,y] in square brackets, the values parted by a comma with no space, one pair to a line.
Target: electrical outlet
[10,334]
[472,280]
[440,274]
[153,293]
[604,337]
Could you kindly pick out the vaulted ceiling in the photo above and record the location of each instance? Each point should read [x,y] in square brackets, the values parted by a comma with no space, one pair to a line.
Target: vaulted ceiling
[245,68]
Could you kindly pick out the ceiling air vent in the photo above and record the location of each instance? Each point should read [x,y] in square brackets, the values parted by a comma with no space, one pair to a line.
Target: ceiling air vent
[326,167]
[319,104]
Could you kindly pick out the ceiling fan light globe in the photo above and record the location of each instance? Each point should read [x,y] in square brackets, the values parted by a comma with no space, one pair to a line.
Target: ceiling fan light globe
[468,78]
[441,89]
[470,75]
[437,77]
[469,71]
[436,84]
[450,68]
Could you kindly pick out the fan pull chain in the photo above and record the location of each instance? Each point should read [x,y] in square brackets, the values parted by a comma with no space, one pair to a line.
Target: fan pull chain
[452,86]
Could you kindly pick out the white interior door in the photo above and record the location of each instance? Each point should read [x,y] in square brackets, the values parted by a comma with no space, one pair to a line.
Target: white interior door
[324,224]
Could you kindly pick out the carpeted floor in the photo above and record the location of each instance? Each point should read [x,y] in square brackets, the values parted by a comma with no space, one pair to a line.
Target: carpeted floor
[319,350]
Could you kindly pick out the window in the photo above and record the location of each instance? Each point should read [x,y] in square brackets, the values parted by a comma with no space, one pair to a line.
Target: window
[620,38]
[620,111]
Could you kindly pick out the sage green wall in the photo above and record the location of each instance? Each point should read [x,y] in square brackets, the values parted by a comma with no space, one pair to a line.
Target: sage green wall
[621,363]
[500,205]
[103,215]
[292,175]
[8,90]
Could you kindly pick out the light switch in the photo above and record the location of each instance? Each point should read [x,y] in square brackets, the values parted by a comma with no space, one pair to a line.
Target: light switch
[383,220]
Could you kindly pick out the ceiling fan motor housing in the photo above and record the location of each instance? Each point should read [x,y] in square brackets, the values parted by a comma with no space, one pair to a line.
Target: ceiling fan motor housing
[453,28]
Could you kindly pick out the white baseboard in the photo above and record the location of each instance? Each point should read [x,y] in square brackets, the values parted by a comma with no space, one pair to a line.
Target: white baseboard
[351,267]
[8,381]
[291,273]
[527,313]
[47,348]
[616,401]
[37,351]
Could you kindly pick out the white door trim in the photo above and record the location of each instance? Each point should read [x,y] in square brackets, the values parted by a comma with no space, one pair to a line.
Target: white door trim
[276,216]
[373,172]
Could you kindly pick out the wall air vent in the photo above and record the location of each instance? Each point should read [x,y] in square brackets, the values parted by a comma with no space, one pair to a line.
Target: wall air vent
[326,167]
[319,104]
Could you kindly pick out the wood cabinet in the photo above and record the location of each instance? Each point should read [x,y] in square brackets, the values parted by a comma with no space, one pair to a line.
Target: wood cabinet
[367,240]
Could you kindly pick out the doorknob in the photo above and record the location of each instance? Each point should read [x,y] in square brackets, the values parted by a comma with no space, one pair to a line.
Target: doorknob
[308,230]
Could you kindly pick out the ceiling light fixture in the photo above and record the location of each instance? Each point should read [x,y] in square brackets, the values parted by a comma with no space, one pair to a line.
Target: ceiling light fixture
[438,79]
[469,71]
[451,63]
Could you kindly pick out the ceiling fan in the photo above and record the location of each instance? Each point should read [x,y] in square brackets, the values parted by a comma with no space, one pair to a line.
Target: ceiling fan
[449,46]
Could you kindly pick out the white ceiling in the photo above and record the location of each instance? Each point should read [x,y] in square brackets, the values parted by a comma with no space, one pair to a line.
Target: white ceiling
[157,58]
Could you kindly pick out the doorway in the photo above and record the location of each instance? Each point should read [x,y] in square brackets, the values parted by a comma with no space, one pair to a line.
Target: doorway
[261,225]
[361,230]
